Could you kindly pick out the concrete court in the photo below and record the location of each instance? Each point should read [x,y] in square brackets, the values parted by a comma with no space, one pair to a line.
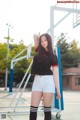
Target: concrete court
[71,106]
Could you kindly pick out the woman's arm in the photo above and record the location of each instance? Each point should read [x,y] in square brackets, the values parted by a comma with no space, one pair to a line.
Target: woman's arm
[55,75]
[36,41]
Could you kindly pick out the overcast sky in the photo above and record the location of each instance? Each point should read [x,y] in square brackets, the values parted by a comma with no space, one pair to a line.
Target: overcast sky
[31,16]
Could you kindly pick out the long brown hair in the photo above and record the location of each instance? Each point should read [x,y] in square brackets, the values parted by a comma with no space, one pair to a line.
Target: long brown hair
[41,50]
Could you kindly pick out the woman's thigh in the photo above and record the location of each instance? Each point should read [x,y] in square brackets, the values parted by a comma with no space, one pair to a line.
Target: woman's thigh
[47,99]
[35,98]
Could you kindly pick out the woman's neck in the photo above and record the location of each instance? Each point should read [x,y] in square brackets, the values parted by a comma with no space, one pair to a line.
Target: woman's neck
[46,49]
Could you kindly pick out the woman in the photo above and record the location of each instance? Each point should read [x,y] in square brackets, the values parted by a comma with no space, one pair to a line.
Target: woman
[45,69]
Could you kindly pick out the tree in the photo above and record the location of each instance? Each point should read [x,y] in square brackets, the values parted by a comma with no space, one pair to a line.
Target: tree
[64,48]
[70,52]
[74,52]
[21,66]
[2,56]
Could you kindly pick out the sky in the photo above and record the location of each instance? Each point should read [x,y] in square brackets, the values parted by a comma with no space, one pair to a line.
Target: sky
[28,17]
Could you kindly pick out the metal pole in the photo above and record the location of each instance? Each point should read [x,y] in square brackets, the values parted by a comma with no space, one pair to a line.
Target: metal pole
[6,76]
[52,24]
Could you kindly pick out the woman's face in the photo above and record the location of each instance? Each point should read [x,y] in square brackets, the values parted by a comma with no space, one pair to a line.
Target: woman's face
[44,42]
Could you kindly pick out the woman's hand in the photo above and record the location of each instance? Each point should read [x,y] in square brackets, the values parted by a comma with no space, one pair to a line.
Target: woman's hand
[58,95]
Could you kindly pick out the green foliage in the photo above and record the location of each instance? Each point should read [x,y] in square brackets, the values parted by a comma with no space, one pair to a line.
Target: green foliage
[2,56]
[20,69]
[21,66]
[69,52]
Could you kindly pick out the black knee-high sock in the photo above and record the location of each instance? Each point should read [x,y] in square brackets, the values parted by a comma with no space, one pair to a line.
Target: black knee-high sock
[47,113]
[33,113]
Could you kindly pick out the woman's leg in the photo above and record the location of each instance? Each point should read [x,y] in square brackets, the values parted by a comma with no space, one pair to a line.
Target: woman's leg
[35,100]
[47,101]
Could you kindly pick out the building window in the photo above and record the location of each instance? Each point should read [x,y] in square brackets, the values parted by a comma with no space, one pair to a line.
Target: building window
[77,81]
[67,81]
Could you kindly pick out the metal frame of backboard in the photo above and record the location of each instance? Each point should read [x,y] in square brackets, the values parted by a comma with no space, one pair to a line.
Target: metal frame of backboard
[76,16]
[52,17]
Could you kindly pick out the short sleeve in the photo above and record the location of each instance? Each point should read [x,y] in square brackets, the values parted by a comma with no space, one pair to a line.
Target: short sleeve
[55,61]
